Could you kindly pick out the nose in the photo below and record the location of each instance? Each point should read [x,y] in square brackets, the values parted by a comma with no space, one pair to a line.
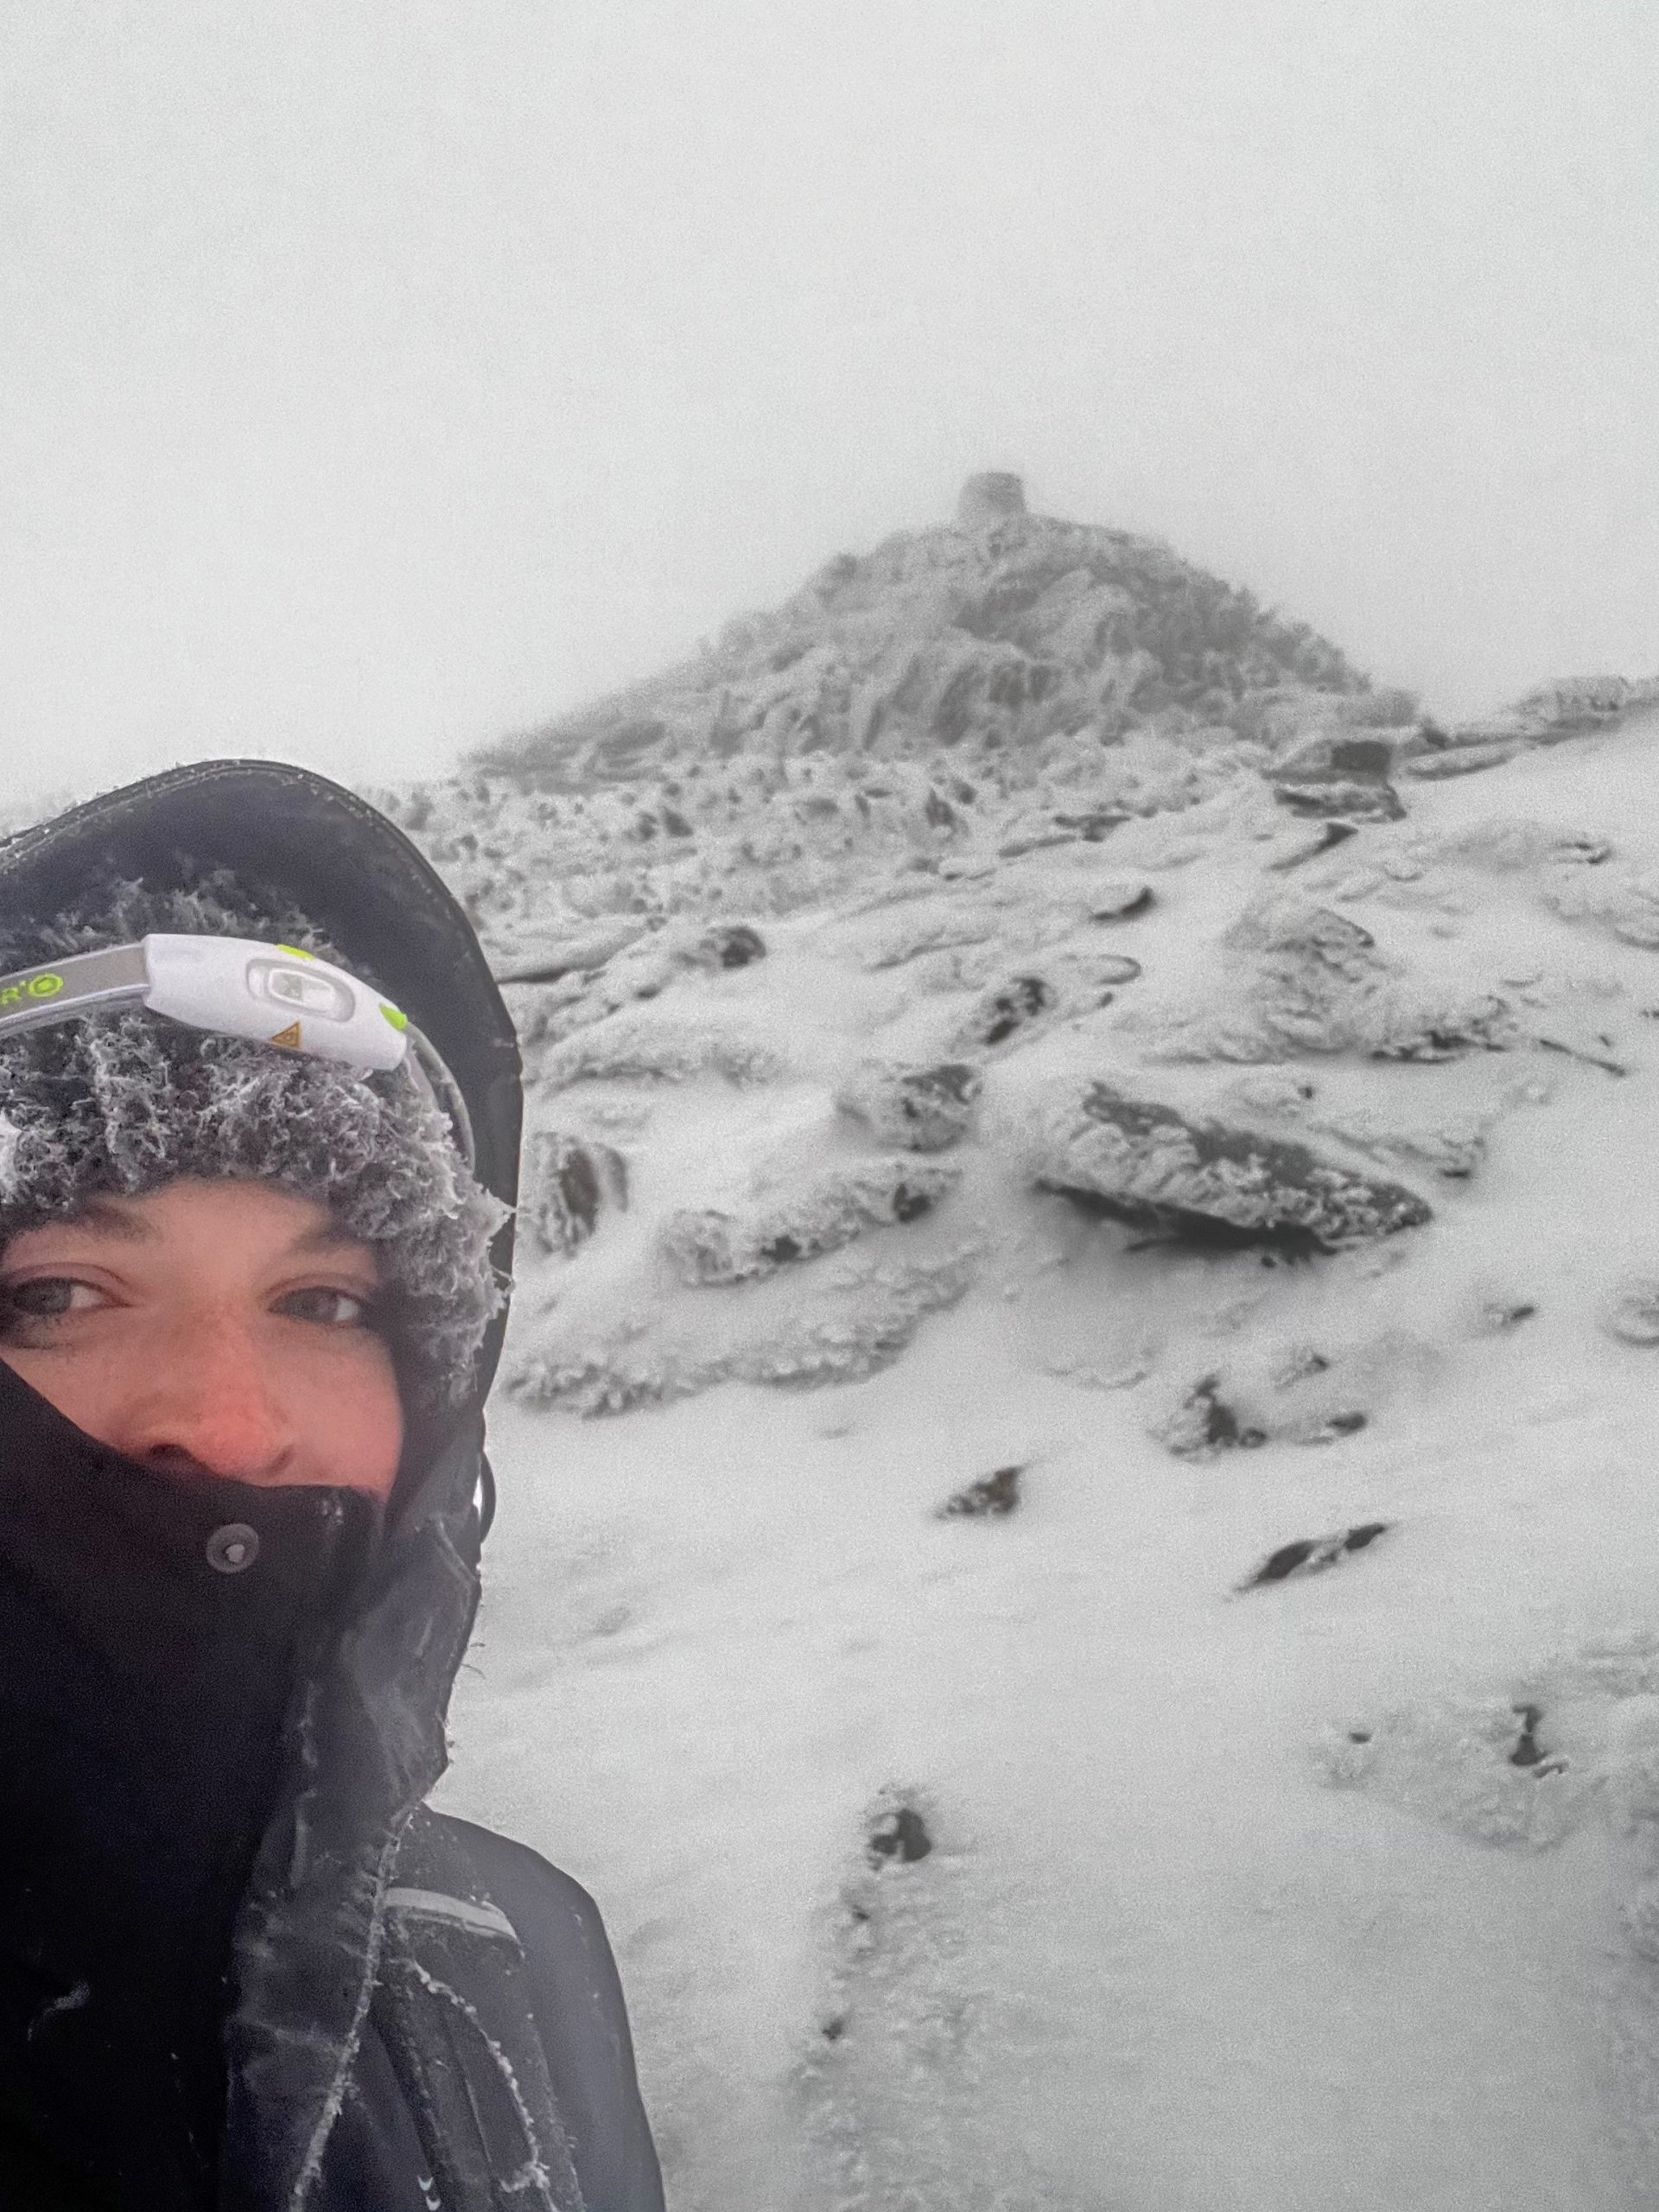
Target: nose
[209,1409]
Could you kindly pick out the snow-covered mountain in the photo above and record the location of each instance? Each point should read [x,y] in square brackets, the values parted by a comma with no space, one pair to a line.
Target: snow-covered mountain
[990,633]
[1077,1562]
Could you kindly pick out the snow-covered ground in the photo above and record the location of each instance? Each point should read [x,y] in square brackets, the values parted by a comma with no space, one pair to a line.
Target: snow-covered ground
[1339,1889]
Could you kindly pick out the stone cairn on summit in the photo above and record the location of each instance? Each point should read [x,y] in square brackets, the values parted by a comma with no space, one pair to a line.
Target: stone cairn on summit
[991,496]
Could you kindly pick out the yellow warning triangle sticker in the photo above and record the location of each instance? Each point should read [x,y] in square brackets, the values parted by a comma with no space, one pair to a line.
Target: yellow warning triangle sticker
[290,1037]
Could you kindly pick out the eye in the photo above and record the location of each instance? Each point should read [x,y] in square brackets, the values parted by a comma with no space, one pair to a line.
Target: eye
[28,1309]
[43,1298]
[330,1306]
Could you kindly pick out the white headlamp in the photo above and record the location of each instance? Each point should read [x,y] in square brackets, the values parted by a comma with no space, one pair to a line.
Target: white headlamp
[234,986]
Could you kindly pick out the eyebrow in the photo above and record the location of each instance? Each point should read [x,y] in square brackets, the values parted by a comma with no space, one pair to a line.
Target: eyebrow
[106,1219]
[330,1237]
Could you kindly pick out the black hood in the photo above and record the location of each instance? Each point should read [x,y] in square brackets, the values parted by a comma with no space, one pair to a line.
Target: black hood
[352,872]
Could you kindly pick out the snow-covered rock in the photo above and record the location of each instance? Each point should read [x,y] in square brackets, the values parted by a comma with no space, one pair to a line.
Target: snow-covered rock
[924,1107]
[658,1048]
[567,1181]
[1145,1163]
[802,1220]
[857,1320]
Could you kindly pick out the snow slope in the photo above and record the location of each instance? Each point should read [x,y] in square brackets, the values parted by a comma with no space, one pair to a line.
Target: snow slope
[1338,1889]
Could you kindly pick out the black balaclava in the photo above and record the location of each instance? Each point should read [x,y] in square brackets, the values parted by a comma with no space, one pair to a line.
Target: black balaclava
[143,1688]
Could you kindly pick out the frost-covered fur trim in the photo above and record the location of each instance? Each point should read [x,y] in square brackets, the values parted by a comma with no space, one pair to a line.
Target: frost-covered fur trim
[124,1101]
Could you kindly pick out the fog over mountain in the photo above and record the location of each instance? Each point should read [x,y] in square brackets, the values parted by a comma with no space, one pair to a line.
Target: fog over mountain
[382,379]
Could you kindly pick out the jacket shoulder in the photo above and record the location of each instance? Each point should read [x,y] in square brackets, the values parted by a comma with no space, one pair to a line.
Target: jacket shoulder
[580,2012]
[517,1877]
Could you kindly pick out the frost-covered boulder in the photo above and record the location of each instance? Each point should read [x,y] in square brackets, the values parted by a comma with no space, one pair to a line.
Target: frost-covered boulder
[1345,773]
[1351,799]
[640,1045]
[1342,751]
[1299,977]
[1485,1768]
[569,1181]
[1142,1162]
[920,1107]
[714,1245]
[1553,711]
[1296,976]
[1430,1026]
[859,1319]
[548,959]
[1340,771]
[1623,900]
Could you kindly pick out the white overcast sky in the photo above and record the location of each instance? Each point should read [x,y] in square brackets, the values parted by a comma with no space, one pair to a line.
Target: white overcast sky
[380,375]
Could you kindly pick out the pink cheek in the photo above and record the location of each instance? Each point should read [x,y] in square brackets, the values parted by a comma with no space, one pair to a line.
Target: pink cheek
[370,1439]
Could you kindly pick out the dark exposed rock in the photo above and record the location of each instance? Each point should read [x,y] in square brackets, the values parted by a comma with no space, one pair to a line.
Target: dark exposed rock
[1499,1314]
[1009,1007]
[729,944]
[1480,1025]
[569,1181]
[1033,841]
[921,1107]
[1602,1060]
[1120,902]
[1192,1233]
[1527,1753]
[1334,834]
[990,1495]
[898,1835]
[1094,826]
[1205,1425]
[1340,752]
[1313,1554]
[1142,1162]
[1342,771]
[1350,801]
[1331,1430]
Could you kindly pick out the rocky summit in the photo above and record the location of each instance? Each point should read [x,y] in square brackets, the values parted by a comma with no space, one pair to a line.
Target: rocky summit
[1076,1446]
[985,635]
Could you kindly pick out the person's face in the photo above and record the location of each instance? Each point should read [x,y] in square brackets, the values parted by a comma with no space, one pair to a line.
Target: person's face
[223,1328]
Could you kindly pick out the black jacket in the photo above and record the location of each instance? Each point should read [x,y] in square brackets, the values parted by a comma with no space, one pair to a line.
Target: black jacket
[243,1968]
[473,2030]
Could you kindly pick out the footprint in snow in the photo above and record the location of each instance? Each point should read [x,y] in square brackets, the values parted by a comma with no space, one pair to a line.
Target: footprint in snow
[910,2066]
